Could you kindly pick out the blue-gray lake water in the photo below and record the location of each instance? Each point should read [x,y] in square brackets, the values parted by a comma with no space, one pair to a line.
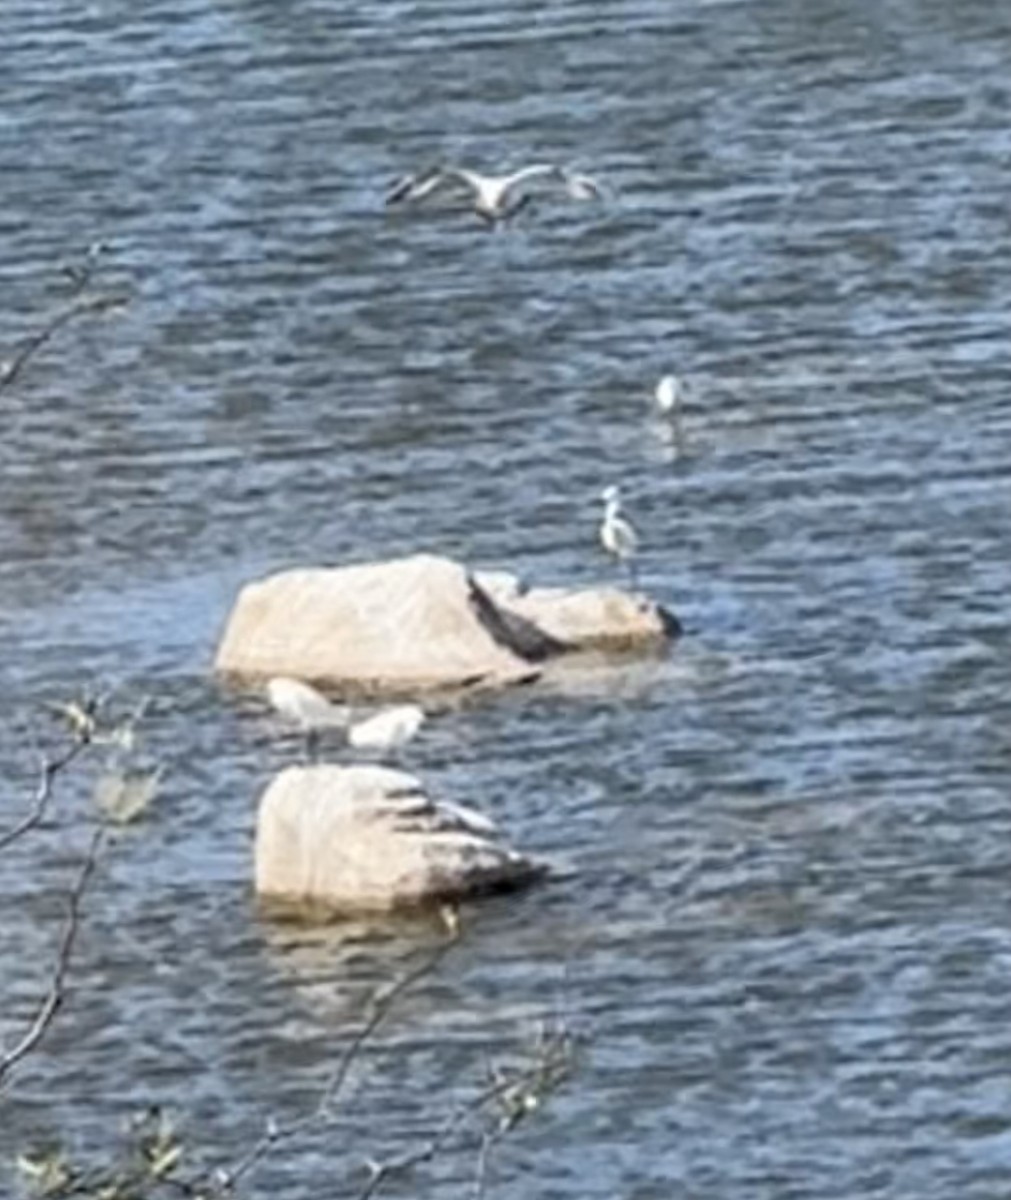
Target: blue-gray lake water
[784,936]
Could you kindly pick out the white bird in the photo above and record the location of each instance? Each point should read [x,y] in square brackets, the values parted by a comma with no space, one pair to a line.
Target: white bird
[617,535]
[669,394]
[495,198]
[388,728]
[306,708]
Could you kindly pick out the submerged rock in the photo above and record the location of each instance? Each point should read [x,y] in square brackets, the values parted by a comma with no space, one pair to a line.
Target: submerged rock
[361,839]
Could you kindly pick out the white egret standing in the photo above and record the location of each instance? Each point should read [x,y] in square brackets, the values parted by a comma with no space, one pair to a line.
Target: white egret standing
[494,198]
[617,535]
[306,708]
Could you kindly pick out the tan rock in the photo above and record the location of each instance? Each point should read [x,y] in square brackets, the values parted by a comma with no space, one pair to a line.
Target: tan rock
[403,626]
[423,622]
[361,839]
[594,618]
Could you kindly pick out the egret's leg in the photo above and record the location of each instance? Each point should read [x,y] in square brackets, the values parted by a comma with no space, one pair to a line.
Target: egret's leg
[516,208]
[677,431]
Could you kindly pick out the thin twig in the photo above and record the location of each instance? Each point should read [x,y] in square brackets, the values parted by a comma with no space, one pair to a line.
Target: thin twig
[381,1007]
[51,767]
[382,1004]
[380,1172]
[534,1081]
[55,995]
[488,1138]
[9,371]
[80,276]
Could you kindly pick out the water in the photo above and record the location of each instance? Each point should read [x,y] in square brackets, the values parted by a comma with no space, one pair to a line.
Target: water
[786,935]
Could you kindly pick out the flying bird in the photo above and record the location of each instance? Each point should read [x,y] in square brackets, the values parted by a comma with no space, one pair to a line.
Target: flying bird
[494,198]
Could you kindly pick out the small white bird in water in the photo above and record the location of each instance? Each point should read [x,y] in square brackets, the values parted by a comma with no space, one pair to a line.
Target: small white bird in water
[495,198]
[670,395]
[312,712]
[306,708]
[617,535]
[388,728]
[303,705]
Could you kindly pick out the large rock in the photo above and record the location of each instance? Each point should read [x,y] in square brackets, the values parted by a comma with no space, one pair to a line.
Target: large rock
[363,839]
[405,625]
[422,622]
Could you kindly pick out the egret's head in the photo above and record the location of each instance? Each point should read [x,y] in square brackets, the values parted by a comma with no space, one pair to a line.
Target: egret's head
[611,494]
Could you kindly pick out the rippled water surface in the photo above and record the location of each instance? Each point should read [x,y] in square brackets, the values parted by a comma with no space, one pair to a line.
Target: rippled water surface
[785,937]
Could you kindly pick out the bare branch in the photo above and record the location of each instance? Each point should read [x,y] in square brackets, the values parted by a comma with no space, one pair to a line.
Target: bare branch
[82,718]
[508,1097]
[516,1093]
[51,767]
[9,371]
[382,1003]
[488,1139]
[53,999]
[80,275]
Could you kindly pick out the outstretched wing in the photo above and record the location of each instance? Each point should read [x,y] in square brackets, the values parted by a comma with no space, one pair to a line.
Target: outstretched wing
[526,174]
[417,186]
[577,185]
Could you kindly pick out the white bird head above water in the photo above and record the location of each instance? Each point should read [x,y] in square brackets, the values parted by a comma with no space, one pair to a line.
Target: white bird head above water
[305,708]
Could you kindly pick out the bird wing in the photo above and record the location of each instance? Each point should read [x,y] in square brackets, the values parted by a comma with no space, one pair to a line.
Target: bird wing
[628,539]
[524,174]
[414,185]
[417,186]
[400,189]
